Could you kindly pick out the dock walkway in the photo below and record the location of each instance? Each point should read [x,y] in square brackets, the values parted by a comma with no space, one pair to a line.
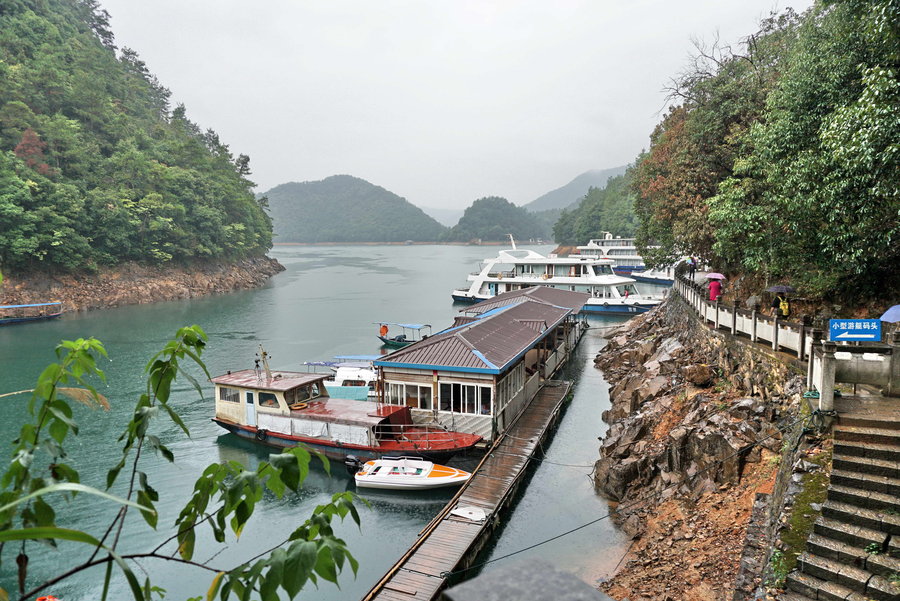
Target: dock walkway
[450,542]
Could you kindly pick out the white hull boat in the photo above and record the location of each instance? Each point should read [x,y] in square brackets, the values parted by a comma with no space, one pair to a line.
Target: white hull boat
[405,473]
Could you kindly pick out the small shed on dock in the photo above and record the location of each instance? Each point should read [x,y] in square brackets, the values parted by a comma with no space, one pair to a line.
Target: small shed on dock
[477,375]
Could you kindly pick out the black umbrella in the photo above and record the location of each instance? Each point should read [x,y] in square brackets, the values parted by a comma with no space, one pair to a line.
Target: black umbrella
[780,289]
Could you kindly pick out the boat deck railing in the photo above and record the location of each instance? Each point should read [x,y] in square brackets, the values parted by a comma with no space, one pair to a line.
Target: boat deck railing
[418,433]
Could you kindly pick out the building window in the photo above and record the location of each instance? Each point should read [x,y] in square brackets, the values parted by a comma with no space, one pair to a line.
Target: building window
[465,398]
[411,395]
[230,395]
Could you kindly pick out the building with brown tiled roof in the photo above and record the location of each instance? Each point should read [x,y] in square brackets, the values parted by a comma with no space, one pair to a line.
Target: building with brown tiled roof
[477,375]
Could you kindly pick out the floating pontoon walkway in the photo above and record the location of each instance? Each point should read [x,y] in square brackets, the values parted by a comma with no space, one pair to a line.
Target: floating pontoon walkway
[451,542]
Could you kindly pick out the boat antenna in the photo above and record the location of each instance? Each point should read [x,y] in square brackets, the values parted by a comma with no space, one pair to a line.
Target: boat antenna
[265,361]
[512,241]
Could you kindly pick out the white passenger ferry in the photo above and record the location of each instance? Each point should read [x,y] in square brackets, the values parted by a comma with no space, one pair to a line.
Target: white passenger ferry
[621,251]
[517,269]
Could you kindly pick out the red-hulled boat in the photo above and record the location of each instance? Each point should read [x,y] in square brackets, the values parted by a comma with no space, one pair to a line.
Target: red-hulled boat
[284,409]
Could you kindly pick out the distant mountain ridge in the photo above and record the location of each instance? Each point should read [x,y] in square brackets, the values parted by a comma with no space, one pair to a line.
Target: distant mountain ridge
[575,190]
[343,208]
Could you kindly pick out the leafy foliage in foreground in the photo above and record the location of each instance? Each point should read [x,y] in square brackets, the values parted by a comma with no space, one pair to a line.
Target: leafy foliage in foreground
[95,169]
[224,496]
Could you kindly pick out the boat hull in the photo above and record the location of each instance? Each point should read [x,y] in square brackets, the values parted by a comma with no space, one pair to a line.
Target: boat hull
[596,306]
[394,343]
[651,279]
[5,321]
[337,450]
[386,484]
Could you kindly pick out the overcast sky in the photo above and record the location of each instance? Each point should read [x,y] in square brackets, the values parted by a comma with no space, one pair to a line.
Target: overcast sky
[439,102]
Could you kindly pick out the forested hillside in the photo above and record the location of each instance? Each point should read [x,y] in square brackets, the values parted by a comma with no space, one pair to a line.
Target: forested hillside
[781,158]
[342,208]
[95,167]
[492,219]
[566,196]
[608,209]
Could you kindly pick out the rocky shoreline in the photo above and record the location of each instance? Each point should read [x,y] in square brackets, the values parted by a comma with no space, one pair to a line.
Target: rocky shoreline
[133,284]
[695,440]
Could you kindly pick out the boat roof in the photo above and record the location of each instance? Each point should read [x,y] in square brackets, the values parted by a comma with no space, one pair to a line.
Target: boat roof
[411,326]
[488,342]
[530,256]
[538,294]
[348,412]
[279,382]
[48,304]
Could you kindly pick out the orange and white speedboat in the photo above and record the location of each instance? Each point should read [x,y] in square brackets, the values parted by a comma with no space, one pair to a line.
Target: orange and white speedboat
[405,473]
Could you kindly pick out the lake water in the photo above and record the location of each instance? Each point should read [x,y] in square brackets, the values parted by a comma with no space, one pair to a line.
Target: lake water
[323,305]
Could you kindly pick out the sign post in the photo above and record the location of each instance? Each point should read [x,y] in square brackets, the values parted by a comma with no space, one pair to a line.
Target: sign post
[850,330]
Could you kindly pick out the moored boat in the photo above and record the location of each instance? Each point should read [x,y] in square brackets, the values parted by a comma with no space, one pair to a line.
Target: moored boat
[410,332]
[405,473]
[285,409]
[10,314]
[351,376]
[517,269]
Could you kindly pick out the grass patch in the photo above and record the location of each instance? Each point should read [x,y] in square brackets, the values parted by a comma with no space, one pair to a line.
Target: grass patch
[814,489]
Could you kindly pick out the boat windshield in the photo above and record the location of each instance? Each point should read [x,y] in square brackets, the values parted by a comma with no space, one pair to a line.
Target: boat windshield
[603,269]
[627,290]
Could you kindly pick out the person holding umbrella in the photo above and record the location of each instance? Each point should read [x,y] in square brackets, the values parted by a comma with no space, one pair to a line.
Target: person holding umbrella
[781,306]
[715,285]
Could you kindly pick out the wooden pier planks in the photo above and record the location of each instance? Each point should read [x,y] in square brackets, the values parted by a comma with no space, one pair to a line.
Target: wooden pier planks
[450,541]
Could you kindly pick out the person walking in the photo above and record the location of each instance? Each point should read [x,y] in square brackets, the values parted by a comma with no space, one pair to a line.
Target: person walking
[781,306]
[715,289]
[692,267]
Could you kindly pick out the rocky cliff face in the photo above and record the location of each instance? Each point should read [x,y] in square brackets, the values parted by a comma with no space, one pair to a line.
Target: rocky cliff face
[133,284]
[694,434]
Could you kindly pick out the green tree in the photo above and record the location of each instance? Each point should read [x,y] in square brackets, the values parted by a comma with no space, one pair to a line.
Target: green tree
[816,195]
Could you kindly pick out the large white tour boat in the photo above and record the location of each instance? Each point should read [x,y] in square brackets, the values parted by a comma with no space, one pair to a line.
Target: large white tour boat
[517,269]
[621,251]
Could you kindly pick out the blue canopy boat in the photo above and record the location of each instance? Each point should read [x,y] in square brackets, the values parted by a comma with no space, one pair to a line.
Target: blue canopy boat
[10,314]
[402,339]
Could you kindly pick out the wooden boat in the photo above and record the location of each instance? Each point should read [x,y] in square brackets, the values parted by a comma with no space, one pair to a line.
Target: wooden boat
[285,409]
[411,332]
[405,473]
[10,314]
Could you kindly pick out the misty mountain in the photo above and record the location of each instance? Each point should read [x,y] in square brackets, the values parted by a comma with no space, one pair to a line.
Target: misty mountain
[493,219]
[448,217]
[574,191]
[343,208]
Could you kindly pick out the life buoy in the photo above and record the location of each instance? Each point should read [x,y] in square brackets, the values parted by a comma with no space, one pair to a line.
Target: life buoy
[605,304]
[546,276]
[299,406]
[499,276]
[261,435]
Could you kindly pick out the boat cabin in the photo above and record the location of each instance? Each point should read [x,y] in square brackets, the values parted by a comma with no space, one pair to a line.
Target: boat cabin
[477,375]
[297,405]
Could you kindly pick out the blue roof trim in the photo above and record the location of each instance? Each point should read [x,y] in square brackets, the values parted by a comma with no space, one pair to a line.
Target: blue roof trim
[474,370]
[481,356]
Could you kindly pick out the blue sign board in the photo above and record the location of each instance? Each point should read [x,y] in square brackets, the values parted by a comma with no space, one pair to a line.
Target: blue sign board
[840,330]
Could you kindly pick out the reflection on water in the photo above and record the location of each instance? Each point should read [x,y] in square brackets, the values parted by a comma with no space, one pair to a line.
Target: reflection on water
[323,305]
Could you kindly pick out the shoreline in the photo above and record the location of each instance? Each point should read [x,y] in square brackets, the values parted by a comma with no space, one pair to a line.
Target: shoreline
[136,284]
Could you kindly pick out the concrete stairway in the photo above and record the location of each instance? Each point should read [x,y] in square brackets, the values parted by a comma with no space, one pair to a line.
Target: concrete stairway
[854,550]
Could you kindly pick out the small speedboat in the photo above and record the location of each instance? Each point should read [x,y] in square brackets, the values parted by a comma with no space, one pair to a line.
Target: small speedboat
[404,473]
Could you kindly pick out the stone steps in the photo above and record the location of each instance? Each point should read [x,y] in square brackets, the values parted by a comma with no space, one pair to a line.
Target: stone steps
[867,420]
[863,465]
[867,450]
[870,482]
[863,434]
[860,516]
[855,546]
[864,498]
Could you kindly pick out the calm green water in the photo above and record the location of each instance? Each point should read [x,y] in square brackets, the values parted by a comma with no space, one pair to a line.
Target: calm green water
[323,305]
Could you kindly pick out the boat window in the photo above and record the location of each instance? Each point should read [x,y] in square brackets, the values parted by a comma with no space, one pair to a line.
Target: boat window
[486,405]
[626,290]
[425,397]
[445,396]
[267,399]
[230,395]
[353,383]
[376,470]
